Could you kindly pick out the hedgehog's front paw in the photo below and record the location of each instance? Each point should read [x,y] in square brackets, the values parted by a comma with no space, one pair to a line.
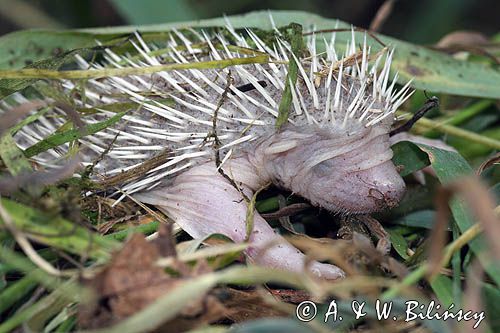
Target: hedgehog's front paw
[284,255]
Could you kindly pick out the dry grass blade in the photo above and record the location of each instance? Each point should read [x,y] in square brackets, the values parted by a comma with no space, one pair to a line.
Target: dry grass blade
[382,15]
[9,185]
[286,211]
[472,296]
[437,238]
[482,206]
[72,114]
[320,250]
[136,172]
[10,118]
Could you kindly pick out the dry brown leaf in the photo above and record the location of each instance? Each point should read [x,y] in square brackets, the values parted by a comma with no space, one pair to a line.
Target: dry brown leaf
[437,239]
[470,41]
[132,281]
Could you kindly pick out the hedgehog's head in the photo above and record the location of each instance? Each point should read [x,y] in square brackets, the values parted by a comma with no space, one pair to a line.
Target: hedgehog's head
[337,170]
[335,150]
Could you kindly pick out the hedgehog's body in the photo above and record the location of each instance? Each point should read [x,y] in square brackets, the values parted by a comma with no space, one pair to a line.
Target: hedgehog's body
[334,150]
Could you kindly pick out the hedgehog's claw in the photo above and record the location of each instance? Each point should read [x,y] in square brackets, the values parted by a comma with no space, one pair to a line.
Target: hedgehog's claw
[203,202]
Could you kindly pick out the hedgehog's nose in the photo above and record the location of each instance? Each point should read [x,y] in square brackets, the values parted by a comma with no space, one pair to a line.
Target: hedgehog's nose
[387,196]
[387,192]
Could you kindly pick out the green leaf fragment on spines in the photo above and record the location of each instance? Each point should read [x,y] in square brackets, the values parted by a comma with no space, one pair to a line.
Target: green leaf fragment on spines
[121,106]
[249,220]
[52,92]
[12,156]
[294,34]
[70,135]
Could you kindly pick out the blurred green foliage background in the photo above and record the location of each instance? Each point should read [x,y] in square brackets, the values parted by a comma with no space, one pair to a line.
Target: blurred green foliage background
[423,21]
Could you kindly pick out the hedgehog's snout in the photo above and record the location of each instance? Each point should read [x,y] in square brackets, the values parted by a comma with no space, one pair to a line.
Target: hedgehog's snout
[381,187]
[340,173]
[363,180]
[387,187]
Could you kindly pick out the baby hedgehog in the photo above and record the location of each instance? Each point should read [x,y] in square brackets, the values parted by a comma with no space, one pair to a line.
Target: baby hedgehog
[212,133]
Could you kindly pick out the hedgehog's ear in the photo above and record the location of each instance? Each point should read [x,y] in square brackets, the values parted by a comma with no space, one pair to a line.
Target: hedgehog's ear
[280,147]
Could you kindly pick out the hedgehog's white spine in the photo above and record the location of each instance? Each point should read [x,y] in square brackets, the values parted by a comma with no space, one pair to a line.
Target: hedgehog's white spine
[345,103]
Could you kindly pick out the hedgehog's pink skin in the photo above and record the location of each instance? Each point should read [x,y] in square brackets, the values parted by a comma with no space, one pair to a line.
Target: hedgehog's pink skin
[313,163]
[203,202]
[347,173]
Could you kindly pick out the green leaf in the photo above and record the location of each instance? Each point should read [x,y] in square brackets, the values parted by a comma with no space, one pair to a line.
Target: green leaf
[491,297]
[450,166]
[35,314]
[277,325]
[294,34]
[70,135]
[16,291]
[58,232]
[442,287]
[418,219]
[408,156]
[398,242]
[146,229]
[148,11]
[22,48]
[12,156]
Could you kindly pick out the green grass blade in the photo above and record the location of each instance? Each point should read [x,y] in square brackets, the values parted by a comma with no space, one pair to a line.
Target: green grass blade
[58,232]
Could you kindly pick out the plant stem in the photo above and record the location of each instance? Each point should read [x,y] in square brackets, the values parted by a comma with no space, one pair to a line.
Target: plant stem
[421,271]
[462,116]
[426,124]
[16,291]
[35,73]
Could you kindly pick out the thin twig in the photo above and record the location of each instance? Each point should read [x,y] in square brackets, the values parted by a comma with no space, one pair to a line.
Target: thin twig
[217,143]
[287,211]
[430,104]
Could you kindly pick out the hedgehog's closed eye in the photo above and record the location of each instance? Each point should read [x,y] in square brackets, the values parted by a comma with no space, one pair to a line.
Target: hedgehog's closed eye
[324,168]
